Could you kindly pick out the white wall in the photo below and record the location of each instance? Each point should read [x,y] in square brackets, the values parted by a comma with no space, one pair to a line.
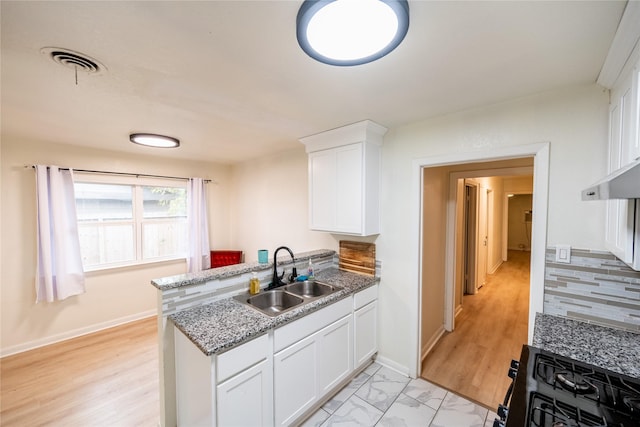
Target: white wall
[113,296]
[573,120]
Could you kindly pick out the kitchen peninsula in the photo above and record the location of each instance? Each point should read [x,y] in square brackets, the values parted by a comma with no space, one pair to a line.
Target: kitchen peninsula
[219,344]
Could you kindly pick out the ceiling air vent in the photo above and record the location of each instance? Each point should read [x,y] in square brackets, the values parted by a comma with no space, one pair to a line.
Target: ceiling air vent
[75,60]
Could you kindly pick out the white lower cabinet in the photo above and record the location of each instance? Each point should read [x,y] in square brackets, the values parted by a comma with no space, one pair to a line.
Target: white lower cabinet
[308,370]
[295,380]
[245,400]
[365,340]
[279,377]
[317,357]
[365,320]
[335,354]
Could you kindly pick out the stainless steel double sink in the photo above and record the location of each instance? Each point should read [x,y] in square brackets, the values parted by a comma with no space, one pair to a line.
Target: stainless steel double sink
[277,301]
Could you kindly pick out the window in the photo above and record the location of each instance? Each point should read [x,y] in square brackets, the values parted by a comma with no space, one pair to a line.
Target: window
[122,224]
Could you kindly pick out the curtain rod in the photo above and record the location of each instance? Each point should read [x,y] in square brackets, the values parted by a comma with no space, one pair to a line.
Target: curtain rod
[137,175]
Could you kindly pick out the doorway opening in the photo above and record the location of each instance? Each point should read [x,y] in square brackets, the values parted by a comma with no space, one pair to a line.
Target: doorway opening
[468,339]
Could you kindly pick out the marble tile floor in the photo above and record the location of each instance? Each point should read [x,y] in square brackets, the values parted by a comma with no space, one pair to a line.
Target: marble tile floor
[379,396]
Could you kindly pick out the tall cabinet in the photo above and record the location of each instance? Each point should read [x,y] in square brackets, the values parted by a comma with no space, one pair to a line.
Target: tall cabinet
[344,179]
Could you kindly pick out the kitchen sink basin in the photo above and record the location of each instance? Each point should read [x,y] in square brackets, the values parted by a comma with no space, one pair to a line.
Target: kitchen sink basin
[273,302]
[277,301]
[310,289]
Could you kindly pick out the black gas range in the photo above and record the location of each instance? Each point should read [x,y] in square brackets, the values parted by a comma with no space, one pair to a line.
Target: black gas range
[550,390]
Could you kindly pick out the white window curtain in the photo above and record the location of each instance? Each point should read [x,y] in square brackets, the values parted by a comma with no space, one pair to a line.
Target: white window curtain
[199,256]
[59,272]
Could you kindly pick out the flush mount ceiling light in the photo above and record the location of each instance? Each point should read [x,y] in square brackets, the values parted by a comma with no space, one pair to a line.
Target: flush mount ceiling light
[153,140]
[351,32]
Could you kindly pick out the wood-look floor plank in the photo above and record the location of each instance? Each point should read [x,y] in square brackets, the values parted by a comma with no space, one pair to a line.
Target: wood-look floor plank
[109,378]
[473,360]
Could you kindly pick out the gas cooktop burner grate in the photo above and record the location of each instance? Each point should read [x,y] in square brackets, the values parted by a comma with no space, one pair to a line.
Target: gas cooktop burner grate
[576,383]
[550,412]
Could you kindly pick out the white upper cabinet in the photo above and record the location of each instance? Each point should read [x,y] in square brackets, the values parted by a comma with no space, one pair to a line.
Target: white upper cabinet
[620,73]
[344,179]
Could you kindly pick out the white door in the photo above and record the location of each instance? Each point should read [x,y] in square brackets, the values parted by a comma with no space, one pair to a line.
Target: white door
[470,236]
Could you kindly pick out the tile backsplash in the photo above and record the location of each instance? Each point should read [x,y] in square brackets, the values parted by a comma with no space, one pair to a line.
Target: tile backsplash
[595,287]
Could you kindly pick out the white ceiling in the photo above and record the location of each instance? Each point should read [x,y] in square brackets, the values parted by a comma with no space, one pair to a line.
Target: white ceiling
[229,80]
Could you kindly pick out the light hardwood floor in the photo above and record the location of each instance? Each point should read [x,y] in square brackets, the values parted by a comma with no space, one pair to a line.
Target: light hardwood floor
[473,360]
[109,378]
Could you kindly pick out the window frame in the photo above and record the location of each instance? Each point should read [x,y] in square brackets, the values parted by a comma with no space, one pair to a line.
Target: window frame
[136,183]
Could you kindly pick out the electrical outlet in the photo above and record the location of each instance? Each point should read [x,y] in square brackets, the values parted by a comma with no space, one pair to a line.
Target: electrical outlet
[563,254]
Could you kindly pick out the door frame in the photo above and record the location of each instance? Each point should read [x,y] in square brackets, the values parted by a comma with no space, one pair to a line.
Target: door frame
[540,153]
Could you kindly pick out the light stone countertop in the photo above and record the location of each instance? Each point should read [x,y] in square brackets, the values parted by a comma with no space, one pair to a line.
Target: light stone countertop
[612,349]
[226,323]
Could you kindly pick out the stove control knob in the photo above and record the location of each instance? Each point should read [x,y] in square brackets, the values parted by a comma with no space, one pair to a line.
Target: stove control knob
[498,423]
[503,411]
[512,372]
[515,364]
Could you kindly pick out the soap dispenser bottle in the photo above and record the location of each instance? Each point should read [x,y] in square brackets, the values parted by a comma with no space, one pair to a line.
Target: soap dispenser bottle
[310,271]
[254,284]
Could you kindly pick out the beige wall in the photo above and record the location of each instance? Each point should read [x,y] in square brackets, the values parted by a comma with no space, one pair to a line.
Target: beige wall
[113,296]
[519,232]
[434,202]
[270,206]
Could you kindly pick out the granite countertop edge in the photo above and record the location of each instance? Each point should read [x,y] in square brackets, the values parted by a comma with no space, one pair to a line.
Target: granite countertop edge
[188,279]
[613,349]
[227,323]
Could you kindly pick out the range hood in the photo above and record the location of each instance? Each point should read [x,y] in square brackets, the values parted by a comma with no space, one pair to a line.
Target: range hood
[621,184]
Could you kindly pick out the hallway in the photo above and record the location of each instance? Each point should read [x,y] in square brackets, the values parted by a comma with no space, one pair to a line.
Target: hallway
[473,360]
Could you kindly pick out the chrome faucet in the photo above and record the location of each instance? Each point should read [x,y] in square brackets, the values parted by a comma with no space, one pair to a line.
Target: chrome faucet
[277,280]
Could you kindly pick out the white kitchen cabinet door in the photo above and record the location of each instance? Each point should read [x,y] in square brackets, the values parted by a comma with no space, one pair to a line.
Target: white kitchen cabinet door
[322,185]
[295,380]
[246,399]
[634,138]
[365,340]
[344,189]
[620,214]
[336,190]
[349,190]
[335,354]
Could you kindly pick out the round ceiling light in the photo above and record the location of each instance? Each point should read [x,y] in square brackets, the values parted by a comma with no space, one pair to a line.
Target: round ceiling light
[153,140]
[351,32]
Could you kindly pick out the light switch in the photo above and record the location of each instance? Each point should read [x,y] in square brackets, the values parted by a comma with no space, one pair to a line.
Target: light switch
[563,254]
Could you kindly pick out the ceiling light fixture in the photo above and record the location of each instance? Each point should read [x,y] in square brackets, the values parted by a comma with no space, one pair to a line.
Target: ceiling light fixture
[351,32]
[153,140]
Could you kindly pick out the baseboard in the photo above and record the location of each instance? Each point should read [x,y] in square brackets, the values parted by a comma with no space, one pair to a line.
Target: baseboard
[457,311]
[31,345]
[431,343]
[495,267]
[393,365]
